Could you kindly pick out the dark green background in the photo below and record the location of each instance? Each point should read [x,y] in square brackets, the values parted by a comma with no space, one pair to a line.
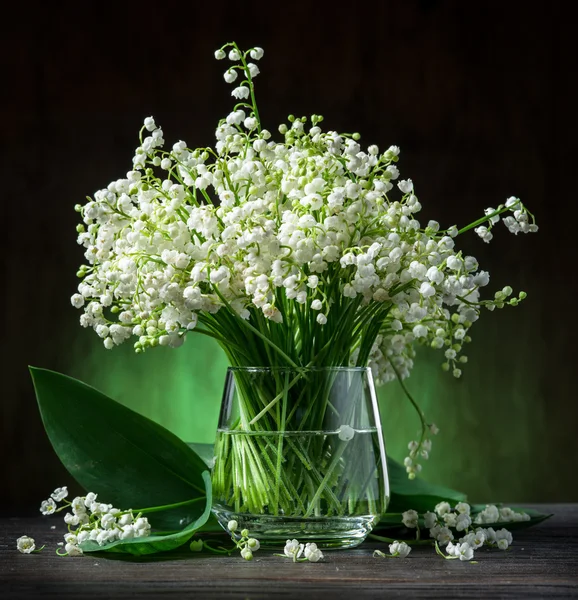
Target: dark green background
[481,100]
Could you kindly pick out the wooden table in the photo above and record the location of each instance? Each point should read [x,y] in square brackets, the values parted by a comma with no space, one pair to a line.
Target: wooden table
[543,563]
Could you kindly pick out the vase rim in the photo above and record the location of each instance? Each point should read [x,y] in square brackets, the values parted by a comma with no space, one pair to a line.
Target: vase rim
[277,369]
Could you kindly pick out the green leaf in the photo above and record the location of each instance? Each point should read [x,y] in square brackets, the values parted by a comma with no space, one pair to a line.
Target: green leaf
[127,459]
[416,494]
[157,543]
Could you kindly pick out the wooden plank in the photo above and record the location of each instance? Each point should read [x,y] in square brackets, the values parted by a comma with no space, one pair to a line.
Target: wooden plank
[543,562]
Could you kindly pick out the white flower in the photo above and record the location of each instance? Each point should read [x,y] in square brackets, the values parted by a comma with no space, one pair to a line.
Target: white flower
[346,433]
[253,70]
[90,499]
[142,527]
[71,519]
[48,507]
[399,549]
[293,549]
[230,75]
[254,544]
[232,526]
[450,519]
[452,549]
[484,233]
[321,319]
[78,507]
[427,290]
[465,552]
[312,553]
[108,521]
[246,553]
[443,508]
[463,522]
[241,92]
[77,300]
[60,493]
[490,514]
[257,53]
[463,508]
[490,535]
[504,534]
[430,520]
[410,518]
[220,54]
[127,532]
[150,124]
[25,544]
[125,519]
[444,535]
[234,55]
[73,550]
[475,539]
[406,186]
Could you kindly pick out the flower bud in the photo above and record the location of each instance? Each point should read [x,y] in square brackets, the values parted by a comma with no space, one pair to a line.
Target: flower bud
[232,526]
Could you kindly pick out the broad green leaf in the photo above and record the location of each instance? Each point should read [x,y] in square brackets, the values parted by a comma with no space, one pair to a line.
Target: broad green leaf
[127,459]
[157,543]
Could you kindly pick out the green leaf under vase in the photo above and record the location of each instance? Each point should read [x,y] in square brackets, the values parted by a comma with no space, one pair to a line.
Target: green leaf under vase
[127,459]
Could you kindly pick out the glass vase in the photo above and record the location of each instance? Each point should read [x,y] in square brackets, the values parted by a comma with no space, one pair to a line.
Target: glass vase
[299,453]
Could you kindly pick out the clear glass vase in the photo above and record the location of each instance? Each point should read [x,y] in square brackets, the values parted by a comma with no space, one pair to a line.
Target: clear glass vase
[300,454]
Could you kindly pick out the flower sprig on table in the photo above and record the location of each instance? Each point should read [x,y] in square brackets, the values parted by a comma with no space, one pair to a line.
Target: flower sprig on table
[93,520]
[300,252]
[299,552]
[444,525]
[246,544]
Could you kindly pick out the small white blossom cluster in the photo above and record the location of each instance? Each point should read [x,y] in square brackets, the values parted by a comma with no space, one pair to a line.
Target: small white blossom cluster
[94,521]
[521,221]
[301,552]
[396,550]
[446,521]
[419,450]
[246,544]
[254,224]
[504,514]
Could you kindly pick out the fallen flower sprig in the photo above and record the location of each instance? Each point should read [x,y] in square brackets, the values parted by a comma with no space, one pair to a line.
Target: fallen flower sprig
[445,522]
[246,544]
[397,550]
[301,552]
[94,521]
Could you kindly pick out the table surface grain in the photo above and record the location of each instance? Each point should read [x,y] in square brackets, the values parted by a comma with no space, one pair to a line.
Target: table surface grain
[542,563]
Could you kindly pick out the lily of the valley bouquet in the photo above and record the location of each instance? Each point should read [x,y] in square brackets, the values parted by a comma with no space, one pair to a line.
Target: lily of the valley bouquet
[297,251]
